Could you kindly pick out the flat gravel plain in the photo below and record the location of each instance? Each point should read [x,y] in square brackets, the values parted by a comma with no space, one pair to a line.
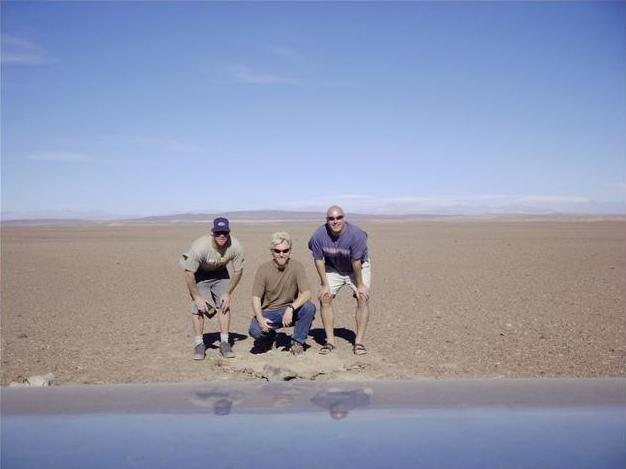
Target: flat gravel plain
[450,298]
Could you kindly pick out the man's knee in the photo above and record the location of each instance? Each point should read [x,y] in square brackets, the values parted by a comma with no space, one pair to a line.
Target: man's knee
[255,329]
[307,310]
[362,303]
[327,301]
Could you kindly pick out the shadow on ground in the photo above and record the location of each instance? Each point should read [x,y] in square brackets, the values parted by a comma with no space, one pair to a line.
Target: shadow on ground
[212,339]
[319,335]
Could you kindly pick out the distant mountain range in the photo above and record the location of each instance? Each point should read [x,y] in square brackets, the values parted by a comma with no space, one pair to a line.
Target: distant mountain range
[91,218]
[181,218]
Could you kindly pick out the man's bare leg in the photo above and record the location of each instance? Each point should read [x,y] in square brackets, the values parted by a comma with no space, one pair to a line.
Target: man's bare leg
[199,348]
[362,318]
[328,320]
[224,321]
[198,324]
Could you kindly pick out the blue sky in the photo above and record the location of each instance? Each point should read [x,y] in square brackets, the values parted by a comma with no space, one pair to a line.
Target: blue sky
[137,108]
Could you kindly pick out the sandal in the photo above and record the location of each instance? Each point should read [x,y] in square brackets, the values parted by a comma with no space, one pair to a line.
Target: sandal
[359,349]
[326,349]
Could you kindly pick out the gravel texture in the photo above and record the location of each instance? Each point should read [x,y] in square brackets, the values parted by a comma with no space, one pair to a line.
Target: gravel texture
[450,298]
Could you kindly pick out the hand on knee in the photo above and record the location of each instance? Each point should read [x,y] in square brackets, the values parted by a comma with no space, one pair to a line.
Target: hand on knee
[326,302]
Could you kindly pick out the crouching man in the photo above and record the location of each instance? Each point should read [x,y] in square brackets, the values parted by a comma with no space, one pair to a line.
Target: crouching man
[206,276]
[280,298]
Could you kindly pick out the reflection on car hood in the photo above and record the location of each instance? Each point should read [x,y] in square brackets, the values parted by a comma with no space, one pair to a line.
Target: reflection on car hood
[555,423]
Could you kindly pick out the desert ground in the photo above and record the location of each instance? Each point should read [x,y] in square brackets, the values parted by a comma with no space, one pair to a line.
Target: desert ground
[450,298]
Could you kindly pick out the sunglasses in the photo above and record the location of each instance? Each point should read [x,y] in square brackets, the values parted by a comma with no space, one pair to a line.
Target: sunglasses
[281,251]
[220,233]
[337,218]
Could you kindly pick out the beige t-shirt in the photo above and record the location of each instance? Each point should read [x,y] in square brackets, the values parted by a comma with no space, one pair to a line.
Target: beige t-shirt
[204,256]
[276,288]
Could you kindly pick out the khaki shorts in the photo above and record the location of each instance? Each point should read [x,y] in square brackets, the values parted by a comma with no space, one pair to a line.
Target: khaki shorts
[336,280]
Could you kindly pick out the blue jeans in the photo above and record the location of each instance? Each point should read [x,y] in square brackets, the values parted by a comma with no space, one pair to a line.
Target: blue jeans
[302,320]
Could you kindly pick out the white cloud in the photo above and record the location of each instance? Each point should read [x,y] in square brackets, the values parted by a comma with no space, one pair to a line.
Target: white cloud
[285,52]
[16,50]
[167,145]
[549,199]
[59,156]
[476,204]
[618,185]
[244,74]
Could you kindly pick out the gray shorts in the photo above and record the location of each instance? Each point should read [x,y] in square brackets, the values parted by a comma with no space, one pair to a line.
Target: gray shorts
[212,289]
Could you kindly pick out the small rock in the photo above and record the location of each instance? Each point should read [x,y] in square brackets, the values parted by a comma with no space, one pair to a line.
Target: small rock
[356,366]
[275,373]
[36,381]
[41,380]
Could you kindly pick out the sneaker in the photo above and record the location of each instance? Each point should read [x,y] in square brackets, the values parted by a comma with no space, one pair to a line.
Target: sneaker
[226,351]
[296,348]
[199,351]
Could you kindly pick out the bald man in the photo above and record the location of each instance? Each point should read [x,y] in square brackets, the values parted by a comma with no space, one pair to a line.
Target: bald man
[341,258]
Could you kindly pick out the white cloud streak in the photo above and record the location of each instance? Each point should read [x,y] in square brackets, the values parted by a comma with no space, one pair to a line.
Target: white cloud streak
[167,145]
[453,204]
[59,156]
[21,51]
[285,52]
[244,74]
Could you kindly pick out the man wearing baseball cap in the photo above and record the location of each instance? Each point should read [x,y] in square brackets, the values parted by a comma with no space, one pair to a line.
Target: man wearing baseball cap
[208,280]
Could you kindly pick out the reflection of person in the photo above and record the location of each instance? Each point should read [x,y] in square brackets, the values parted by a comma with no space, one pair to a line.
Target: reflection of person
[341,258]
[280,297]
[207,276]
[220,400]
[339,402]
[222,406]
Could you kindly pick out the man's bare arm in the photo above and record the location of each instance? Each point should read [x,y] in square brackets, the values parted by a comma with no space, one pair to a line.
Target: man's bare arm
[190,280]
[256,308]
[361,288]
[234,281]
[357,267]
[320,266]
[302,298]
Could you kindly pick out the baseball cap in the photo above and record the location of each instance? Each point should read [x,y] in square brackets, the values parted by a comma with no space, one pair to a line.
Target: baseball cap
[221,224]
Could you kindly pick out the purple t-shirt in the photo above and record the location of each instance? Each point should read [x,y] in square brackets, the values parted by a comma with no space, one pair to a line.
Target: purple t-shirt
[338,253]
